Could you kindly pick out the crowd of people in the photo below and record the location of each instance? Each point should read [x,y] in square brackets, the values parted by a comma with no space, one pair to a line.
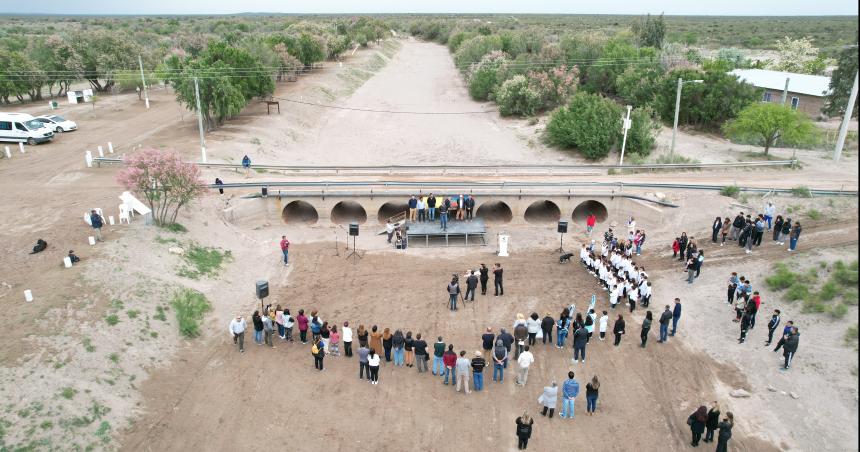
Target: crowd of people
[443,208]
[749,230]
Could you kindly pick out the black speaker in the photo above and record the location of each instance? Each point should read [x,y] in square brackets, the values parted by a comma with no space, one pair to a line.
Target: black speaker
[262,289]
[265,192]
[562,227]
[353,229]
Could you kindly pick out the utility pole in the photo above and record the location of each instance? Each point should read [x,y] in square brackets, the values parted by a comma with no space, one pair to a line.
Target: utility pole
[843,129]
[143,80]
[200,121]
[785,91]
[625,124]
[675,126]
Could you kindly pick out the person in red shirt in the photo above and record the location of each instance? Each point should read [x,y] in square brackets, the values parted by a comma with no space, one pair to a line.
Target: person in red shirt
[756,302]
[285,248]
[676,247]
[449,358]
[589,224]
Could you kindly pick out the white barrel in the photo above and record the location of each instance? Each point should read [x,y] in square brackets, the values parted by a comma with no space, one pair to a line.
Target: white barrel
[28,295]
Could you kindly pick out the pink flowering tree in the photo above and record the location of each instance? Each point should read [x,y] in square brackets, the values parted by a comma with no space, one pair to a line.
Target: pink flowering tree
[164,180]
[554,86]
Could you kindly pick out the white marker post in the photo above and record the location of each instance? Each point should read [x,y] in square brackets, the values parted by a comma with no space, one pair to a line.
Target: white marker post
[101,151]
[88,157]
[110,147]
[503,245]
[21,147]
[28,295]
[8,153]
[110,220]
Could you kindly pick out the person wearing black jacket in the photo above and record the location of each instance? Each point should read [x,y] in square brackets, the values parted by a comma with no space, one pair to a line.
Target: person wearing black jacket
[790,347]
[507,340]
[546,327]
[580,340]
[524,430]
[716,228]
[258,327]
[485,276]
[712,423]
[772,325]
[777,227]
[471,285]
[745,324]
[725,432]
[497,279]
[737,225]
[665,318]
[697,421]
[682,242]
[618,329]
[646,327]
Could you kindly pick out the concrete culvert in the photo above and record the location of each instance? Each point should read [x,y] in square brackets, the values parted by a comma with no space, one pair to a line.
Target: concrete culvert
[391,209]
[581,212]
[346,212]
[494,212]
[299,212]
[542,212]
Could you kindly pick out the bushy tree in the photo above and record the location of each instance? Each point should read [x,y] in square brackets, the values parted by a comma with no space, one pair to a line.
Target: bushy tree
[164,180]
[841,82]
[487,75]
[472,50]
[637,85]
[600,77]
[102,53]
[643,131]
[555,86]
[768,122]
[589,123]
[800,56]
[734,57]
[650,31]
[720,97]
[516,97]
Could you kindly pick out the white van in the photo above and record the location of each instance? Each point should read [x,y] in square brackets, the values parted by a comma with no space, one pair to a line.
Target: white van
[21,127]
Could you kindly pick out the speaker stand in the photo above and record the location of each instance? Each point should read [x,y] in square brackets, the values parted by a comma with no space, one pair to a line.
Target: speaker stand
[560,243]
[353,254]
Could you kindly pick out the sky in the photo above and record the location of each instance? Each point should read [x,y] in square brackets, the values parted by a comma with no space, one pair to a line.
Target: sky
[670,7]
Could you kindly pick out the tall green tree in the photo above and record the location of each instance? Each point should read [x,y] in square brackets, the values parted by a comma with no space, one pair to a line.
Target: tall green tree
[841,82]
[768,122]
[102,53]
[707,105]
[590,123]
[650,31]
[637,85]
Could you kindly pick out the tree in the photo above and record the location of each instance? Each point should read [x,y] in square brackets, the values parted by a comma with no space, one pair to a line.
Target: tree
[768,122]
[311,49]
[799,55]
[101,53]
[617,55]
[650,31]
[164,180]
[555,86]
[709,104]
[643,131]
[516,97]
[637,85]
[487,75]
[471,51]
[590,123]
[841,82]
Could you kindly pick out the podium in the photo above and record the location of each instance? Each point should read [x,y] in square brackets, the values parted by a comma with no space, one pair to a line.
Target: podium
[503,245]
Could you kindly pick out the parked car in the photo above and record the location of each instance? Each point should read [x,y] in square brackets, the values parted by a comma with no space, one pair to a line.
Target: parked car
[57,123]
[21,127]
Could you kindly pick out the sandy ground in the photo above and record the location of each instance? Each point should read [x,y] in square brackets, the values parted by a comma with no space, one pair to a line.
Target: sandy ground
[70,379]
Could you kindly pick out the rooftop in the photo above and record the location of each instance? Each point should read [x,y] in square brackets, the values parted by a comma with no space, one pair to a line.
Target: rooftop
[812,85]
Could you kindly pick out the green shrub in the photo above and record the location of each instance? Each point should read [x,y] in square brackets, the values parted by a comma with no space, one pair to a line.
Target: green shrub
[203,261]
[851,336]
[731,191]
[486,76]
[797,291]
[516,97]
[175,227]
[828,291]
[782,279]
[849,297]
[190,306]
[472,50]
[801,192]
[838,310]
[844,274]
[68,393]
[813,214]
[589,123]
[643,131]
[112,319]
[814,305]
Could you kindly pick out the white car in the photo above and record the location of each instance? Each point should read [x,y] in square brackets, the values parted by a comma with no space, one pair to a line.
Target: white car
[57,123]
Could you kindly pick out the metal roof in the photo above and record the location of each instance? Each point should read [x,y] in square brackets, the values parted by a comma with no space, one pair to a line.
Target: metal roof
[812,85]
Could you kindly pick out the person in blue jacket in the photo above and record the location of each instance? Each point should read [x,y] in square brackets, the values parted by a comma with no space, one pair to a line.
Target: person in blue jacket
[569,390]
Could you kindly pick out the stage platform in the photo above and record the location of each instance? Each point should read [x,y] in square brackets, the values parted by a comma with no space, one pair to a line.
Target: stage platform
[456,229]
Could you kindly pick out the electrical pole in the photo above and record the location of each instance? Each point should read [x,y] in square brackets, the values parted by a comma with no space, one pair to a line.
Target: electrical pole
[675,126]
[200,121]
[625,124]
[785,91]
[843,129]
[143,80]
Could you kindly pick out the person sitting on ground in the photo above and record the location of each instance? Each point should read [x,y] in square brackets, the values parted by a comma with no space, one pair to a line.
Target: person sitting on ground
[40,246]
[73,257]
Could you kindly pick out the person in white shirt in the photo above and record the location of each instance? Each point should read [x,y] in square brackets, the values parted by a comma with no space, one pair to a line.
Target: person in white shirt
[604,323]
[583,254]
[237,330]
[533,326]
[633,297]
[463,367]
[346,335]
[525,361]
[769,212]
[631,225]
[373,364]
[420,205]
[613,296]
[389,229]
